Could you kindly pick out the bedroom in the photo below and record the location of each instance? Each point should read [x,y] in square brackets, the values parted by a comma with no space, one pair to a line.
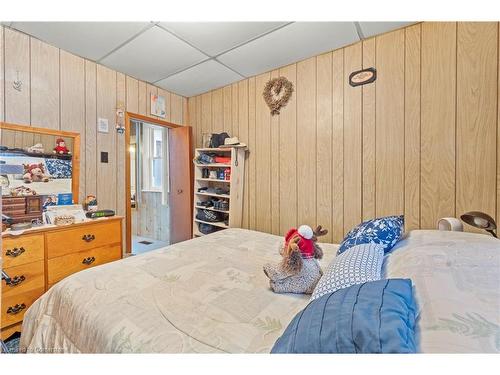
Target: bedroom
[381,133]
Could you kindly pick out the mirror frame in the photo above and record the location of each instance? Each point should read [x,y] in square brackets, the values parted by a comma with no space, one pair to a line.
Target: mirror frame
[75,170]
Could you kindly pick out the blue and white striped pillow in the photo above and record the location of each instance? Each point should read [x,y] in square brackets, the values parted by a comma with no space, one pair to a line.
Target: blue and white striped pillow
[362,263]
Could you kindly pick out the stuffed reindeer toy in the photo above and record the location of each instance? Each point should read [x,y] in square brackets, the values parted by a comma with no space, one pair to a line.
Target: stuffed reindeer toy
[299,270]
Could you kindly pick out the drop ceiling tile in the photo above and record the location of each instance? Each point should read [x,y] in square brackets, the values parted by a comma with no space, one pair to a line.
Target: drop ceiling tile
[214,38]
[201,78]
[289,44]
[153,55]
[373,28]
[91,40]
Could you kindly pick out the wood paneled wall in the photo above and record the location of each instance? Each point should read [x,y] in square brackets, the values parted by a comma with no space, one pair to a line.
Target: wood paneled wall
[421,141]
[66,92]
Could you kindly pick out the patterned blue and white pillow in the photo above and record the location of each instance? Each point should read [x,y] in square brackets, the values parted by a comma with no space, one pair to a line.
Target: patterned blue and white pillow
[362,263]
[59,168]
[385,231]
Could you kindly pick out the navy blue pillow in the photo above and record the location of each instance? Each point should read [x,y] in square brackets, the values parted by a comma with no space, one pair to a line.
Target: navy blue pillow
[374,317]
[385,231]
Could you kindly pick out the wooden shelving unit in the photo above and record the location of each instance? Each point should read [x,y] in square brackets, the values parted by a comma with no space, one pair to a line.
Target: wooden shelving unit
[234,184]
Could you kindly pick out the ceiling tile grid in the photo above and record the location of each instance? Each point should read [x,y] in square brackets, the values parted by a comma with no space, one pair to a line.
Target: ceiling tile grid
[289,44]
[199,79]
[91,40]
[153,55]
[190,58]
[214,38]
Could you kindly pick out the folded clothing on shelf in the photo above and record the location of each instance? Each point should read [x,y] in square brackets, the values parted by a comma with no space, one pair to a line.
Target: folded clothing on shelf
[205,158]
[222,159]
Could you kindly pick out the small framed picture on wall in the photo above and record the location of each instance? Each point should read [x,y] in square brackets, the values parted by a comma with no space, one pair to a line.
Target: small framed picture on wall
[158,106]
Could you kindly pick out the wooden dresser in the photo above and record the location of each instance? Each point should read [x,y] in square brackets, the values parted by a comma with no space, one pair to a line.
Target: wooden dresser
[37,259]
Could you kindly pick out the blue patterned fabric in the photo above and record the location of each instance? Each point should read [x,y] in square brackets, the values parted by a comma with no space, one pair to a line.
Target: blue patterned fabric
[385,231]
[59,168]
[374,317]
[360,264]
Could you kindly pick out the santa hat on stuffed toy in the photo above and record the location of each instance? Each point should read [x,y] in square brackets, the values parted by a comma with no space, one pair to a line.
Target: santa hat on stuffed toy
[305,244]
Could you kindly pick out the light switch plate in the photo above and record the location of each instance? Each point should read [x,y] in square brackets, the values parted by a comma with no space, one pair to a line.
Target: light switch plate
[104,157]
[102,125]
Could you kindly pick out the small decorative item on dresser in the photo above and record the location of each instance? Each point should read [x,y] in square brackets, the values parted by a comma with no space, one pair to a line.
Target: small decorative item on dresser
[64,220]
[90,203]
[22,209]
[22,191]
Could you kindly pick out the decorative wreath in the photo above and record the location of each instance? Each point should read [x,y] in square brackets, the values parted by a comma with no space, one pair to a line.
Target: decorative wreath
[277,93]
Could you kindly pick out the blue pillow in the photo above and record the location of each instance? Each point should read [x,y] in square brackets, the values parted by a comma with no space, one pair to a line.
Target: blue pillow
[385,231]
[374,317]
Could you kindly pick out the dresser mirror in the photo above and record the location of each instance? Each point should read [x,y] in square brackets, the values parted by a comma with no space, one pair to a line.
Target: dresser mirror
[39,162]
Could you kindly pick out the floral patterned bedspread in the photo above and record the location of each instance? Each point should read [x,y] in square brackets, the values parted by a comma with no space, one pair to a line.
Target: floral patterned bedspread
[210,295]
[456,278]
[204,295]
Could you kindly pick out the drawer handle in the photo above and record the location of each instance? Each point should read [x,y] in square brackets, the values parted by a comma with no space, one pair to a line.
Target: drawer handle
[88,237]
[88,260]
[13,310]
[16,280]
[15,252]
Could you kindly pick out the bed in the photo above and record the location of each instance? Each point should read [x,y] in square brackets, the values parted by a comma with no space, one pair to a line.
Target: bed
[209,295]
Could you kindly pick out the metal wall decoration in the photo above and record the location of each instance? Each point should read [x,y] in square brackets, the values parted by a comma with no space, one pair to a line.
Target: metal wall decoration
[277,93]
[17,84]
[362,77]
[120,119]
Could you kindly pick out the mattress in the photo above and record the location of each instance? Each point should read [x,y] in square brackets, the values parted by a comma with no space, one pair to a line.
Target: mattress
[209,295]
[206,295]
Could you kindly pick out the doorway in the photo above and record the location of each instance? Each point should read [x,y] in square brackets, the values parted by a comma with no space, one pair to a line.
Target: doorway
[149,186]
[158,189]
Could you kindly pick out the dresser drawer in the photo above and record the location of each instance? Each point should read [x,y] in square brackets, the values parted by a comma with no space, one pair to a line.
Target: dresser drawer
[13,308]
[18,250]
[23,279]
[83,238]
[59,268]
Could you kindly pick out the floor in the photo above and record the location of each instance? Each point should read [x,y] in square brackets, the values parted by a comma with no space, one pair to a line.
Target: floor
[140,248]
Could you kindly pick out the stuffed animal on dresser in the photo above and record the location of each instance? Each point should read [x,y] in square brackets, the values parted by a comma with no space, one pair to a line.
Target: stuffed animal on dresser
[299,270]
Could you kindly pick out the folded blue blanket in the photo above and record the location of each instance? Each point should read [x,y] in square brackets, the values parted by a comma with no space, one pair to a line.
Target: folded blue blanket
[374,317]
